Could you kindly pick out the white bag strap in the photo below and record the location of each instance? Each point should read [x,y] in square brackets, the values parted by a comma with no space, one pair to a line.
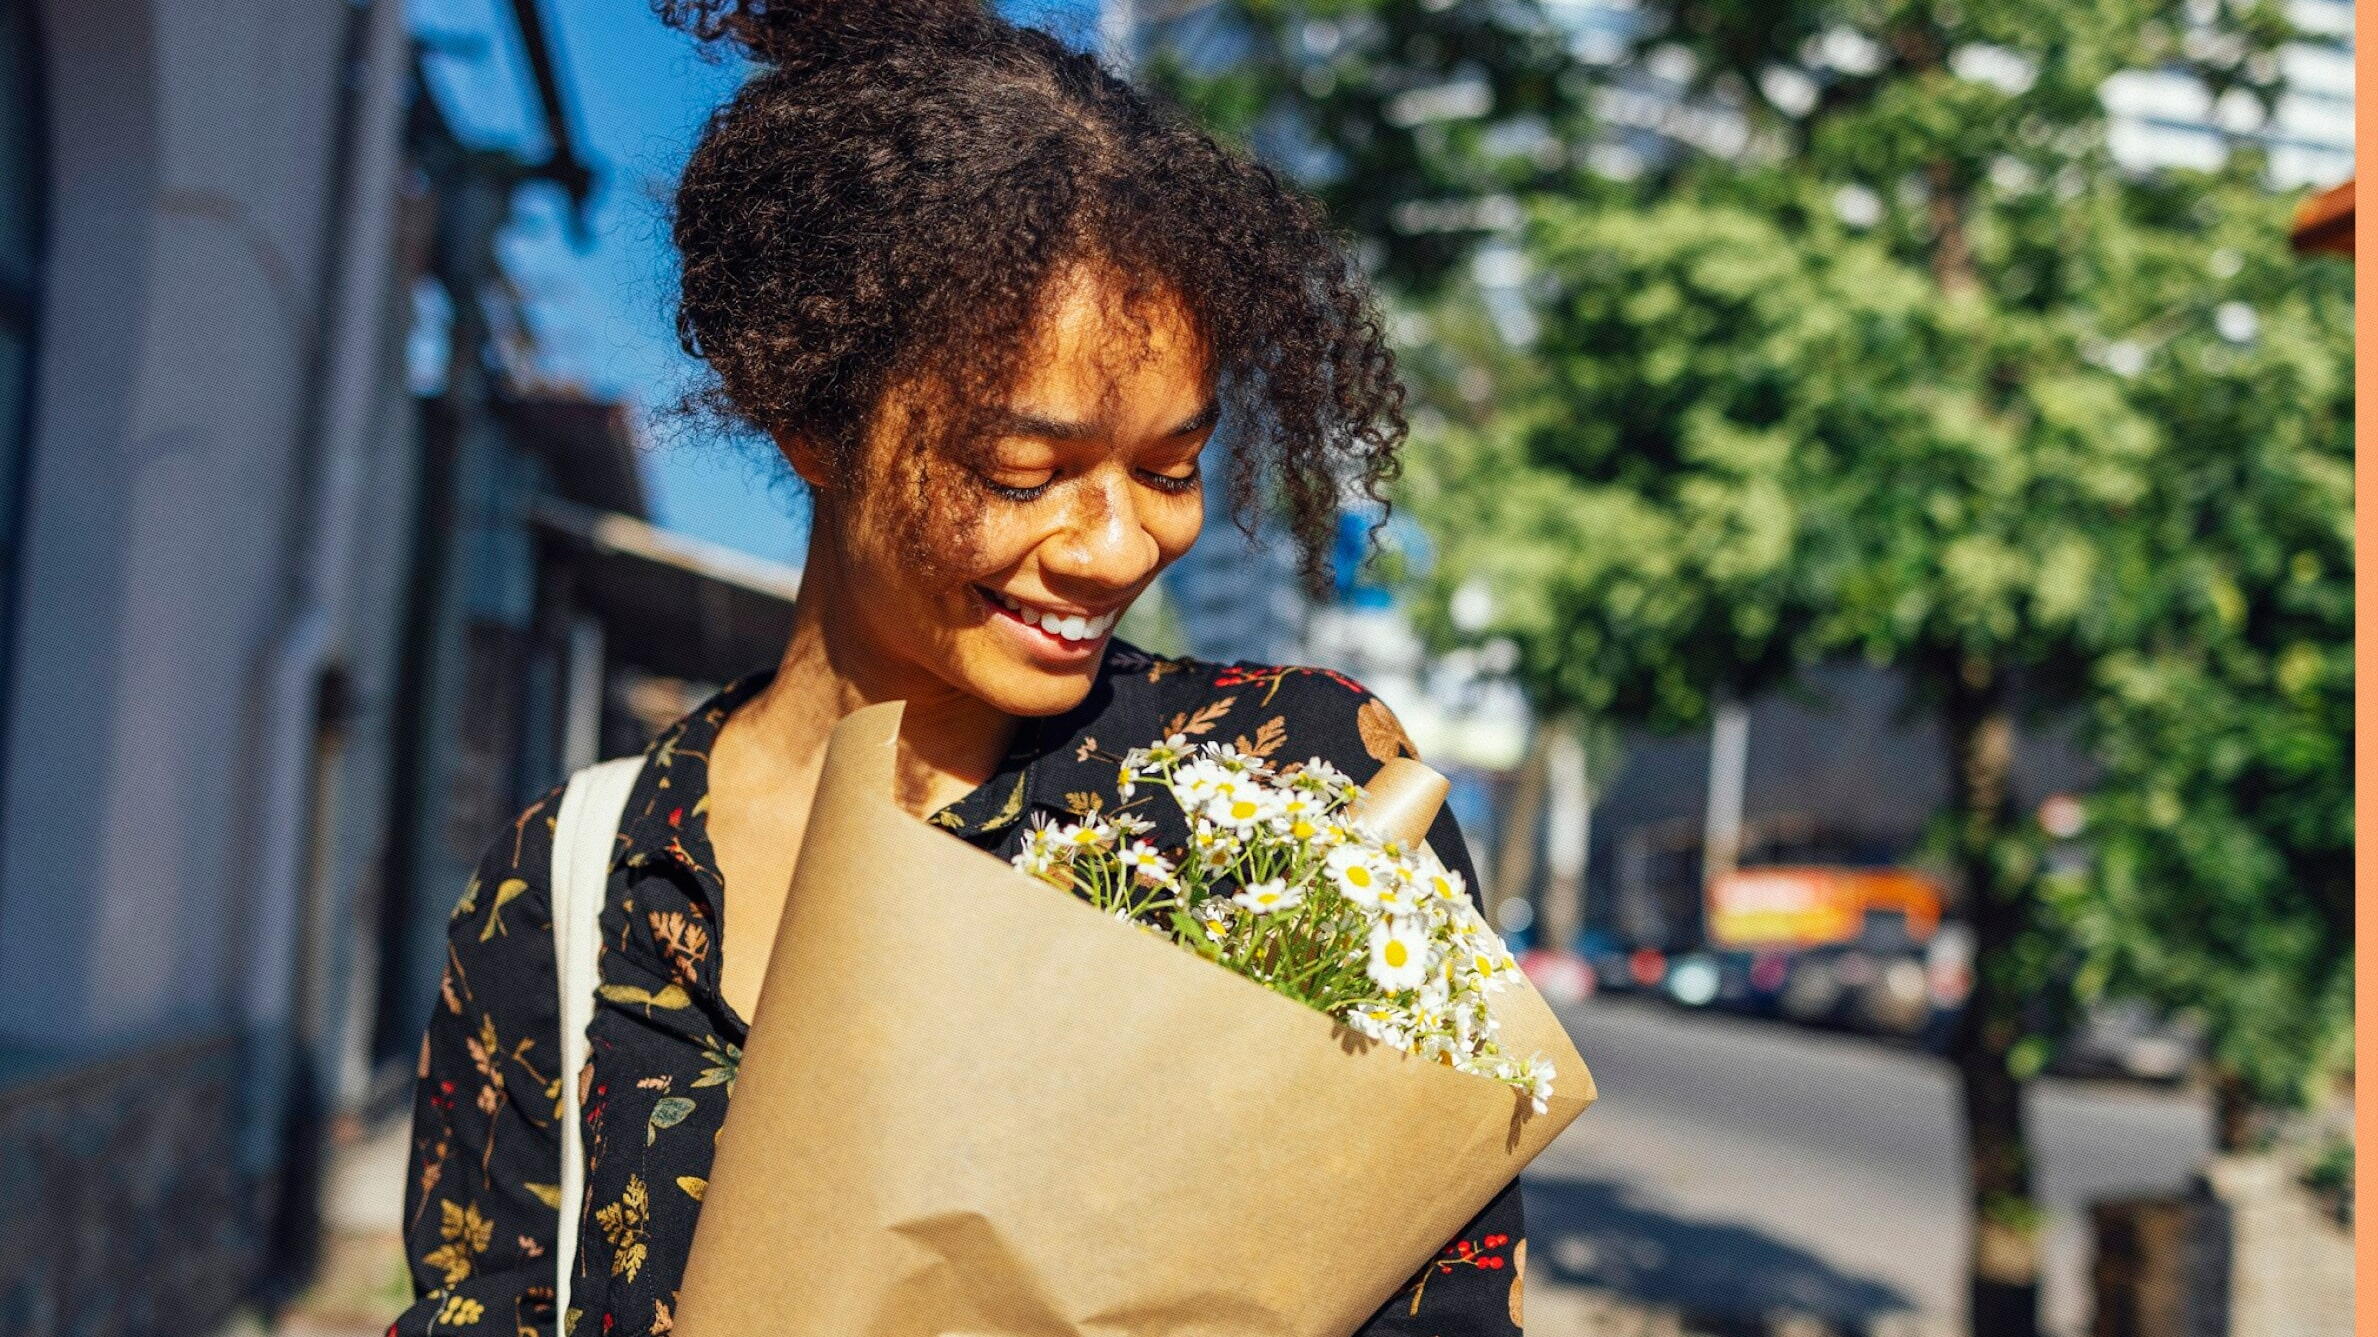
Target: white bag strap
[583,835]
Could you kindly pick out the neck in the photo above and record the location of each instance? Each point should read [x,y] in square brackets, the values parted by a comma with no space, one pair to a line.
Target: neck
[950,741]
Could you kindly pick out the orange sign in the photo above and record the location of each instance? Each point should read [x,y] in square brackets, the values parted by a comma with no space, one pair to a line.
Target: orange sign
[1813,906]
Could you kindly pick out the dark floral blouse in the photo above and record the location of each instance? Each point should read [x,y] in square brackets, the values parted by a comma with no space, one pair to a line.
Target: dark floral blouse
[482,1204]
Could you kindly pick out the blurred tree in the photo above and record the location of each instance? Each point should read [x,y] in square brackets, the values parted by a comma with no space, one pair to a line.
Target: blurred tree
[1418,123]
[1921,375]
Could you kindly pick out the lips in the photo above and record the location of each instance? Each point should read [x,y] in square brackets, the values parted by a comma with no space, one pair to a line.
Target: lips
[1072,627]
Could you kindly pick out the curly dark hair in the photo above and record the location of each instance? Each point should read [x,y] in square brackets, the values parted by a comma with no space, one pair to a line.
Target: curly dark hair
[885,202]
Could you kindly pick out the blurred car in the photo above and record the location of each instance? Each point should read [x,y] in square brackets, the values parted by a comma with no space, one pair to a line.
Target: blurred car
[1607,958]
[1693,979]
[1748,983]
[2128,1039]
[1563,978]
[1857,988]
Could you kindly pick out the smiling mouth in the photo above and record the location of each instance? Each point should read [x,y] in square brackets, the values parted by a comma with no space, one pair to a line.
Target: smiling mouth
[1072,627]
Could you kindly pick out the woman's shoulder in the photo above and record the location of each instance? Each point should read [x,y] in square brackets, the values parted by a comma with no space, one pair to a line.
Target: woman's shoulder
[510,887]
[1283,711]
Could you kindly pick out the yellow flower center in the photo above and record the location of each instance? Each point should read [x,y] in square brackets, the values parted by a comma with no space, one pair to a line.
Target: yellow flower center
[1242,809]
[1394,954]
[1358,875]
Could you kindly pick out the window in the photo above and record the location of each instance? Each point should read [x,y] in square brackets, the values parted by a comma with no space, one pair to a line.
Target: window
[20,256]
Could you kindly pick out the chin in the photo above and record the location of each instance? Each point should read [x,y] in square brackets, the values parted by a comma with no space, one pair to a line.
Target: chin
[1037,692]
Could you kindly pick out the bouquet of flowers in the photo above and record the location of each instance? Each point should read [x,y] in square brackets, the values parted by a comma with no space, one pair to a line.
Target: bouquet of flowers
[971,1103]
[1284,883]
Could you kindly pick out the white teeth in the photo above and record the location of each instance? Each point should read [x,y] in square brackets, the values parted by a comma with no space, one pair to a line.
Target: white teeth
[1072,627]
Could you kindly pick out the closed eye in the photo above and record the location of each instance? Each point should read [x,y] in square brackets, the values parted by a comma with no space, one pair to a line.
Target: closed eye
[1019,494]
[1175,483]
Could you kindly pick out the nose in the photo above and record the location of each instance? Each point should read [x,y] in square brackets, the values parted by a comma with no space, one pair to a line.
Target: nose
[1103,542]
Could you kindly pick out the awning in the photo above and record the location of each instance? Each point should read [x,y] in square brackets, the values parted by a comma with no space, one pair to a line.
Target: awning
[2324,222]
[671,604]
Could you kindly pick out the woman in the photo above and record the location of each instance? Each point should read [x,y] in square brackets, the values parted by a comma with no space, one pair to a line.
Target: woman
[990,305]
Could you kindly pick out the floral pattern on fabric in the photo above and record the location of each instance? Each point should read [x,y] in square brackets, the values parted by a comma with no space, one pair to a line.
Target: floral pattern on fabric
[482,1201]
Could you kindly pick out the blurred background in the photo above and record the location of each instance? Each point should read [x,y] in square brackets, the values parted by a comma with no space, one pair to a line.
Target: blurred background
[1874,558]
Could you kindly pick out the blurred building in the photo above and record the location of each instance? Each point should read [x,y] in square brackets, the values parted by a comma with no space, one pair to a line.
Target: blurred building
[2168,118]
[2155,118]
[311,583]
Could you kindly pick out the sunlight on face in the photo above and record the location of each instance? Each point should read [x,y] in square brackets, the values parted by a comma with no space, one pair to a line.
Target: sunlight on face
[1088,486]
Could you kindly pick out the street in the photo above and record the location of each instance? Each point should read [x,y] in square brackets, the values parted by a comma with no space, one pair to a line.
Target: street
[1734,1168]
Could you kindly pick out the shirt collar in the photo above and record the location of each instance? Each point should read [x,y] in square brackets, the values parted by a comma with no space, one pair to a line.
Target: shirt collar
[1051,757]
[667,814]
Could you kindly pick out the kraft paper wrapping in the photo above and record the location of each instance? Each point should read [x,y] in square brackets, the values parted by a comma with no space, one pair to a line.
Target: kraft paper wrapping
[972,1104]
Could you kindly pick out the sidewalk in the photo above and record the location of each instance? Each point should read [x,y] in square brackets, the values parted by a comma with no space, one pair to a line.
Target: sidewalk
[362,1285]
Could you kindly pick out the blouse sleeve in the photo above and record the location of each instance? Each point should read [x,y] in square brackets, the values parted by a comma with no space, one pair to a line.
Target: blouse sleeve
[1473,1287]
[482,1199]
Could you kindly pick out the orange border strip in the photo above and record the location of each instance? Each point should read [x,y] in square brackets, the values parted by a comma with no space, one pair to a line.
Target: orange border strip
[2365,676]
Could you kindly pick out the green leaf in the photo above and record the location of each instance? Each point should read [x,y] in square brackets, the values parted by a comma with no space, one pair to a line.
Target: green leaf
[667,1112]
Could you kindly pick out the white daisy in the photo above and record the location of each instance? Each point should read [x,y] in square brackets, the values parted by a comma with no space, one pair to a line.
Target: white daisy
[1443,884]
[1320,777]
[1241,809]
[1381,1023]
[1214,912]
[1200,780]
[1399,956]
[1143,862]
[1357,876]
[1333,834]
[1265,897]
[1397,894]
[1213,847]
[1536,1080]
[1229,758]
[1297,814]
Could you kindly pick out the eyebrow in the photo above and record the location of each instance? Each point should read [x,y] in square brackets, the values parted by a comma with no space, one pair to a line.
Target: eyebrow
[1012,422]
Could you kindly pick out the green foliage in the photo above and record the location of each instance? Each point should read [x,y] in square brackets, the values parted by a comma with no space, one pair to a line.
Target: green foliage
[2222,706]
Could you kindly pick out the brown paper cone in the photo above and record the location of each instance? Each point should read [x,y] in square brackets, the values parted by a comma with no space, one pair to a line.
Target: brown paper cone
[1401,800]
[973,1104]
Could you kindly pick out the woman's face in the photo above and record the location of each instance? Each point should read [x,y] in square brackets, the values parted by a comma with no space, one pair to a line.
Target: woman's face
[1086,487]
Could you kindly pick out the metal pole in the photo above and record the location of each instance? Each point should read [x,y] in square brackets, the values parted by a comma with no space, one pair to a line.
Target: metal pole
[1729,766]
[1567,809]
[582,700]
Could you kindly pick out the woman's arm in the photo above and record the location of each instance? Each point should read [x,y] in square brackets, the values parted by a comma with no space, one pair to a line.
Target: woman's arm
[483,1196]
[1472,1288]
